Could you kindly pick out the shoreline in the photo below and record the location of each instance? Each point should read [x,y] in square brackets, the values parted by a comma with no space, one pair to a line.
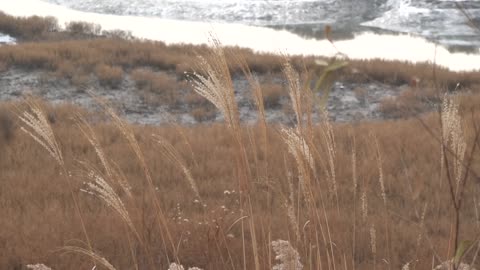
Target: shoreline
[264,40]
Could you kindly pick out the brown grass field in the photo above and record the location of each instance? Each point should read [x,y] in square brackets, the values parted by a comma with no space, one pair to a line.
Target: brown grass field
[39,218]
[80,189]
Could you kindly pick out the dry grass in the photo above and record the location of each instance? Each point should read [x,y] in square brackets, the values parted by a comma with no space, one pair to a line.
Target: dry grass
[36,203]
[395,171]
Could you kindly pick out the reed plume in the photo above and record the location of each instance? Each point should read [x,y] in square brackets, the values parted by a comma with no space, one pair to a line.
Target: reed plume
[295,91]
[38,127]
[299,149]
[287,255]
[453,136]
[100,188]
[94,256]
[111,173]
[38,266]
[170,153]
[216,85]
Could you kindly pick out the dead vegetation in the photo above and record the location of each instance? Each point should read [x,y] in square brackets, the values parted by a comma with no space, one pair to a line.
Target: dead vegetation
[39,215]
[356,196]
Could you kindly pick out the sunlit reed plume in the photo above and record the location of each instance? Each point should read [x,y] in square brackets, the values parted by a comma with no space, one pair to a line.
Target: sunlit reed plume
[112,174]
[299,149]
[295,91]
[38,127]
[329,139]
[216,85]
[38,266]
[453,135]
[100,188]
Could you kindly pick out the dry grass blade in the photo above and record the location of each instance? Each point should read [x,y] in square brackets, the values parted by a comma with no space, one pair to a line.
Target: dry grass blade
[298,146]
[100,188]
[88,132]
[328,137]
[97,258]
[38,127]
[299,149]
[256,89]
[128,133]
[169,152]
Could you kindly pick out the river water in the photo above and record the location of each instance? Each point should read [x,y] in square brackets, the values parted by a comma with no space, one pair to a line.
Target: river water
[437,20]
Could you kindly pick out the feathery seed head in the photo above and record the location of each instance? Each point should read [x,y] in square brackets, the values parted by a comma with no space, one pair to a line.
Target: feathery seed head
[373,239]
[38,266]
[287,255]
[364,200]
[38,127]
[299,149]
[453,135]
[169,152]
[216,86]
[294,90]
[100,188]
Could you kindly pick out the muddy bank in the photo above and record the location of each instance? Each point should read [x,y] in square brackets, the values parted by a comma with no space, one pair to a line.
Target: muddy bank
[347,101]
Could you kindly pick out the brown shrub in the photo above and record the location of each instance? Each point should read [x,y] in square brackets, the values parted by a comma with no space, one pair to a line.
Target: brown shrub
[66,69]
[28,58]
[83,29]
[80,80]
[29,28]
[204,113]
[403,73]
[163,83]
[273,94]
[159,88]
[142,77]
[109,75]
